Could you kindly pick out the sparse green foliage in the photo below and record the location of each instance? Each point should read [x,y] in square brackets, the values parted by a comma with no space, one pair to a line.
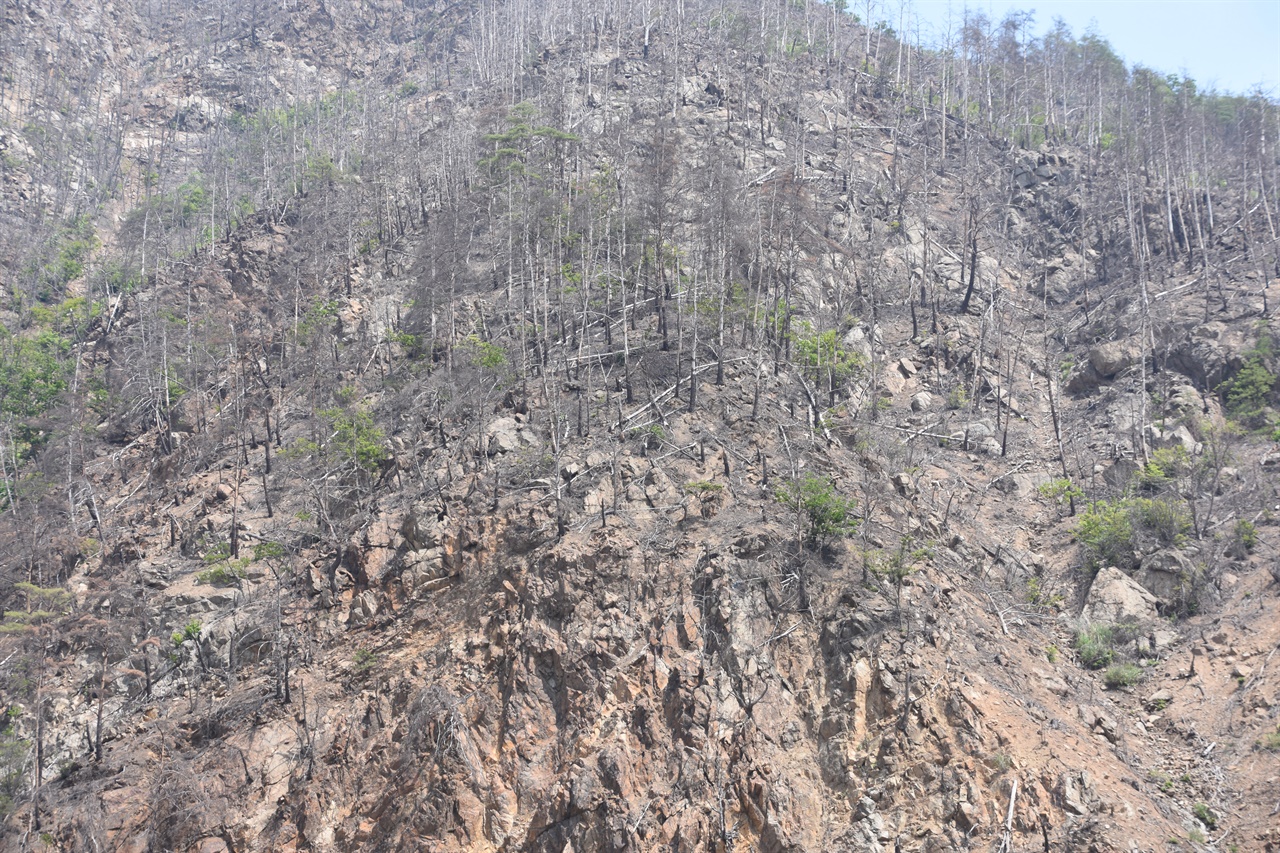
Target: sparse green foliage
[1105,529]
[1060,491]
[64,257]
[1039,597]
[1245,535]
[268,551]
[33,372]
[1165,520]
[1248,393]
[1165,466]
[223,570]
[486,355]
[827,513]
[824,358]
[13,760]
[1111,531]
[42,604]
[354,438]
[1096,645]
[1051,653]
[363,660]
[703,487]
[189,632]
[1205,815]
[1122,675]
[1270,741]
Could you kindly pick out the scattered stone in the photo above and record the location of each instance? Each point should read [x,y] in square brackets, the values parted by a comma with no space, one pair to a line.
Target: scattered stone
[1076,790]
[1163,638]
[1158,700]
[1241,670]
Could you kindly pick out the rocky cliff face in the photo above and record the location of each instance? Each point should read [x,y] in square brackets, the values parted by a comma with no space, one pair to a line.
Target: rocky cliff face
[587,429]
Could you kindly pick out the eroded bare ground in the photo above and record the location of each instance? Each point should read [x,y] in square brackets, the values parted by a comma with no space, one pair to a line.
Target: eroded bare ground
[562,602]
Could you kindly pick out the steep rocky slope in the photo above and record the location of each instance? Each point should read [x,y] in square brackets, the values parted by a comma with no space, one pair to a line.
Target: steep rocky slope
[633,429]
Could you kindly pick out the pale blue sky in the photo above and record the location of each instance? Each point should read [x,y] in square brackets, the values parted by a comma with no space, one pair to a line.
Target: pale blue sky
[1231,44]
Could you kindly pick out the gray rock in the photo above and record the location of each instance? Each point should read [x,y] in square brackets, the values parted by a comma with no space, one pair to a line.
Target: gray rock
[903,485]
[1110,358]
[921,401]
[363,608]
[1116,597]
[1166,574]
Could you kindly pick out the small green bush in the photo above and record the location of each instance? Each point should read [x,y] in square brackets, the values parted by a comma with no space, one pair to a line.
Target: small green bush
[1247,394]
[190,631]
[1105,529]
[1061,491]
[1167,521]
[1271,741]
[827,512]
[1165,466]
[1096,645]
[223,574]
[1122,675]
[1205,815]
[1245,535]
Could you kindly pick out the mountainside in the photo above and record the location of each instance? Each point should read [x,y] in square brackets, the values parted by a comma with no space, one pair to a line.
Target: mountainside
[700,426]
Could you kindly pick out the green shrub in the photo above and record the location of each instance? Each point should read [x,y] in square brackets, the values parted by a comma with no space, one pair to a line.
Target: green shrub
[1247,394]
[190,631]
[13,760]
[1270,741]
[1096,645]
[355,438]
[1205,815]
[224,574]
[33,372]
[1165,466]
[827,513]
[824,358]
[1061,491]
[1245,534]
[1166,520]
[1105,529]
[1122,675]
[1038,597]
[1112,531]
[957,398]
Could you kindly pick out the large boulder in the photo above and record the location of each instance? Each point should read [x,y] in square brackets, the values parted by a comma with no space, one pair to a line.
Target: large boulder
[1110,358]
[1168,575]
[1115,597]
